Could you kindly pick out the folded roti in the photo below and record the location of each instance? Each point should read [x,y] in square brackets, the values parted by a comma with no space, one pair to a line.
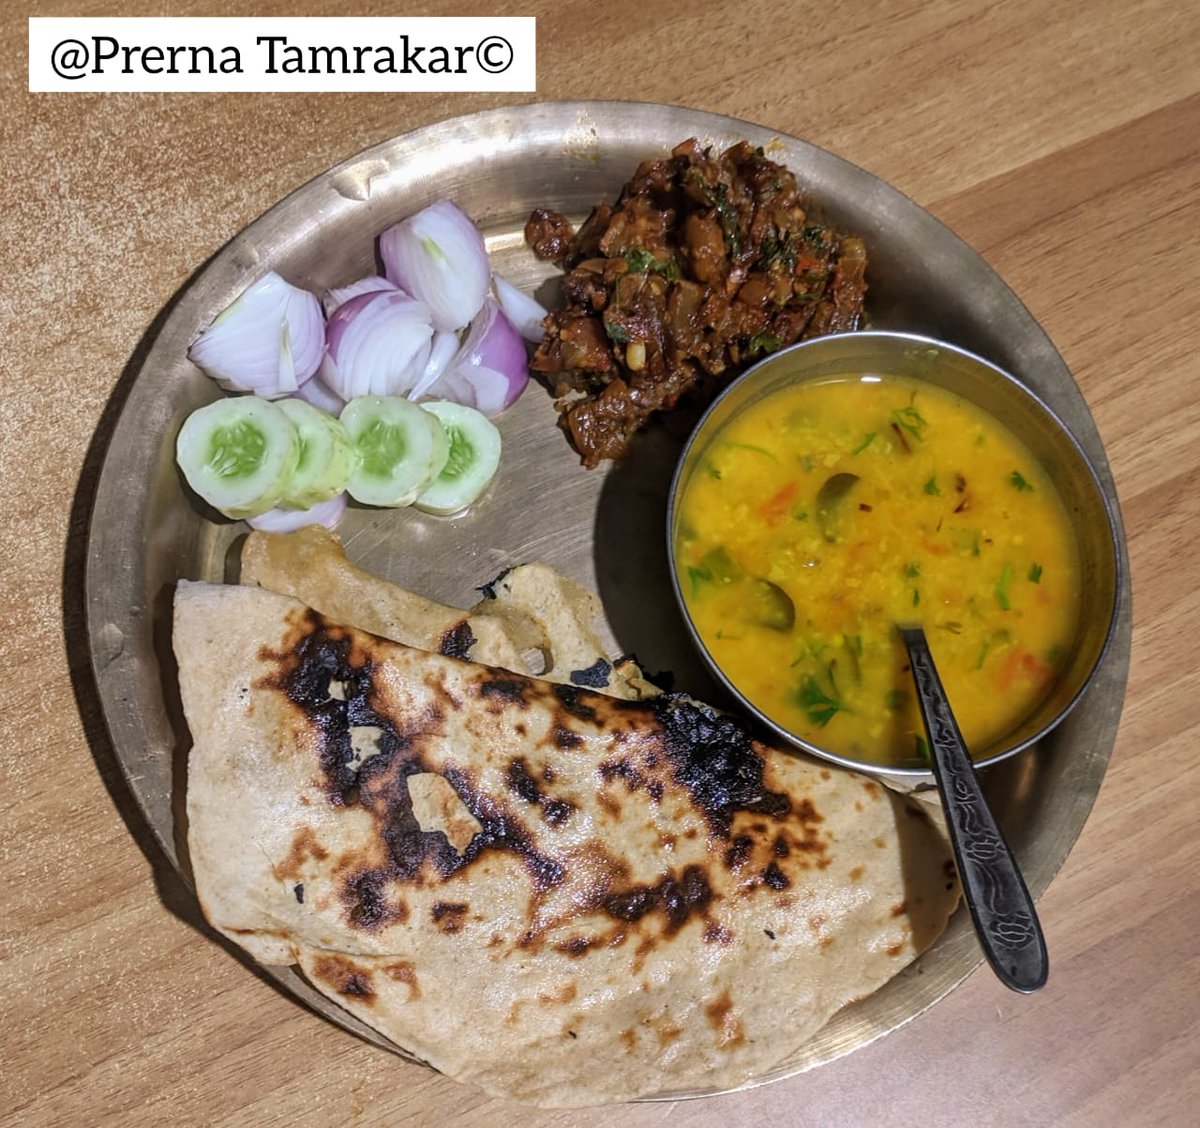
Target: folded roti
[530,619]
[563,897]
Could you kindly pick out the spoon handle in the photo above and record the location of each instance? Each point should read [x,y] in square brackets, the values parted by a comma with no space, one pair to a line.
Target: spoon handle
[1005,919]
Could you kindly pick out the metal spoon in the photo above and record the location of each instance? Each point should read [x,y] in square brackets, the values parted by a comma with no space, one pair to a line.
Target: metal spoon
[1001,908]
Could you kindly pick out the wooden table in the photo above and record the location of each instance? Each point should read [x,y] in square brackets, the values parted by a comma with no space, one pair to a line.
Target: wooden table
[1060,140]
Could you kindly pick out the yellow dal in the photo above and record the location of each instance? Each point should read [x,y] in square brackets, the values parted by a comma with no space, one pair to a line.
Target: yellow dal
[951,523]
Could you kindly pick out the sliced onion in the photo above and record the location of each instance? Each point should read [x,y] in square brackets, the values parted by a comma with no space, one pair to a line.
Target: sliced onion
[327,513]
[443,351]
[268,341]
[439,257]
[524,312]
[378,344]
[320,394]
[339,295]
[491,369]
[484,389]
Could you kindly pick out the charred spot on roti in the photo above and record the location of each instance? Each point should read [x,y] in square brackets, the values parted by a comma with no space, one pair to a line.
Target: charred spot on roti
[718,934]
[520,781]
[678,899]
[775,877]
[402,971]
[594,676]
[578,946]
[305,845]
[560,995]
[448,916]
[856,872]
[298,892]
[872,788]
[502,831]
[728,1026]
[715,759]
[899,908]
[571,699]
[738,852]
[564,739]
[330,678]
[364,895]
[456,642]
[505,689]
[780,847]
[345,977]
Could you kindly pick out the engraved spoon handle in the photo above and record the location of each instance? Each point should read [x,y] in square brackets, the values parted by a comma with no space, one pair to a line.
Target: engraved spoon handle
[1005,919]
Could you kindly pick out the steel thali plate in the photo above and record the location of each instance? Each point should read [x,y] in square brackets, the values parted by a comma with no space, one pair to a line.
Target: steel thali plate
[605,527]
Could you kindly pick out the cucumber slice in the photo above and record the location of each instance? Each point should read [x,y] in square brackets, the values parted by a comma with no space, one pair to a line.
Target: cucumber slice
[326,456]
[238,454]
[399,449]
[474,457]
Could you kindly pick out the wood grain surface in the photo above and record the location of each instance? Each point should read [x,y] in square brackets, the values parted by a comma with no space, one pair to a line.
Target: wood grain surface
[1062,141]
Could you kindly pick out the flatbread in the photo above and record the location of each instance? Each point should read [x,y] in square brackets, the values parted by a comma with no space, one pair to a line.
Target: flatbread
[563,897]
[531,619]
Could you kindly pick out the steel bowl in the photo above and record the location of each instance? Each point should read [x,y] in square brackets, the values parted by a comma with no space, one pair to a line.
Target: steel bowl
[1008,401]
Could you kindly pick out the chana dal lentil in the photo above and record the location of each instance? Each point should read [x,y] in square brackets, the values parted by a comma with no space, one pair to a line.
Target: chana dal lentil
[825,513]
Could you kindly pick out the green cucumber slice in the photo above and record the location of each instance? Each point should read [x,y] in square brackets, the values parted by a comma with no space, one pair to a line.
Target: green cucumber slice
[399,449]
[238,454]
[474,457]
[326,456]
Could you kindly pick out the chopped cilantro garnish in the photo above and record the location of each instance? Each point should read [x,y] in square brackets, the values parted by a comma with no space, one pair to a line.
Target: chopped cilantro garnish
[931,487]
[816,703]
[1002,588]
[921,748]
[911,420]
[641,261]
[1018,481]
[616,332]
[912,571]
[867,441]
[895,699]
[698,576]
[757,449]
[916,597]
[1035,573]
[765,343]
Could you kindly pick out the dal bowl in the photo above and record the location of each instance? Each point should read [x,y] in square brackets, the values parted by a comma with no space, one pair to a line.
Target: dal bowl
[853,482]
